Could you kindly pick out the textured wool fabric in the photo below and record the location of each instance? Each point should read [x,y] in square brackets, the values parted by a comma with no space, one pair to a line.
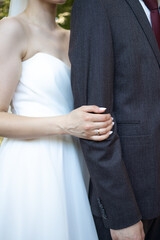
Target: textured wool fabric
[116,64]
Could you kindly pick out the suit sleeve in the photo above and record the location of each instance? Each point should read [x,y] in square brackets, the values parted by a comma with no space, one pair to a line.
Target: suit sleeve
[92,59]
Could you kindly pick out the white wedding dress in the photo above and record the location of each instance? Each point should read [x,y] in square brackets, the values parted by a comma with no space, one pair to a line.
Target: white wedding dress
[43,182]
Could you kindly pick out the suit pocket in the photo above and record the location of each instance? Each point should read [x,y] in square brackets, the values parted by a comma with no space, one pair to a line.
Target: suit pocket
[130,122]
[129,128]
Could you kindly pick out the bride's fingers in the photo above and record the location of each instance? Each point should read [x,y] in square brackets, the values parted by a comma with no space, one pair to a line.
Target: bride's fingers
[93,108]
[102,137]
[102,131]
[98,117]
[98,125]
[90,127]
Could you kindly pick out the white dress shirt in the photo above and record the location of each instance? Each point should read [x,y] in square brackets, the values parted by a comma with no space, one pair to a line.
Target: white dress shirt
[147,11]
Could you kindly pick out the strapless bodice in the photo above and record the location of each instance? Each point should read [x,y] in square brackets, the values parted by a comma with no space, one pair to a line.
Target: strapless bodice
[44,88]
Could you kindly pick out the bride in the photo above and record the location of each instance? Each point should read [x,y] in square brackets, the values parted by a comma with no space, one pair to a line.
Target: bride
[43,177]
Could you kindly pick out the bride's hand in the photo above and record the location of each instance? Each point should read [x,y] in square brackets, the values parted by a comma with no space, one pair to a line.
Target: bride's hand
[88,122]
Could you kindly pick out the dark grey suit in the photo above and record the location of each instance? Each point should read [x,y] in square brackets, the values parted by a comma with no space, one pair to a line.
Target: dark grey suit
[116,64]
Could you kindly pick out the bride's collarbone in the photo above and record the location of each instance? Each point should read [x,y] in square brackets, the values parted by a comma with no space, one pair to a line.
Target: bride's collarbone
[41,43]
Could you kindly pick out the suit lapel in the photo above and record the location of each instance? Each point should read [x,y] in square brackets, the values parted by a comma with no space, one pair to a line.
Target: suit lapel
[145,25]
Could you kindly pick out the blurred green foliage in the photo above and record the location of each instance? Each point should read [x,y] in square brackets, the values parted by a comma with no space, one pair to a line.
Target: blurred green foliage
[4,6]
[63,12]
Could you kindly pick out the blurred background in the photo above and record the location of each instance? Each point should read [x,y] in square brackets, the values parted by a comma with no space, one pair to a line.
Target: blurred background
[63,12]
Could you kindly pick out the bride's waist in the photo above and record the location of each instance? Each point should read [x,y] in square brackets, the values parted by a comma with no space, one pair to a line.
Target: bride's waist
[41,109]
[40,112]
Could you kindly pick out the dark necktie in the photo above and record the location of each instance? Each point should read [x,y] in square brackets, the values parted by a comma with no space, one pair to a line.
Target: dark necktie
[152,5]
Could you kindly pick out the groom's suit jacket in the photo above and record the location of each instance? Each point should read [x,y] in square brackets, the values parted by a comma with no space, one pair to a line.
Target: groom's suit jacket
[116,64]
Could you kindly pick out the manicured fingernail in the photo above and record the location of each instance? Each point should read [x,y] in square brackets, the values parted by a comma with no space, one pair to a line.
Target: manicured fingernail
[102,108]
[113,123]
[112,118]
[110,132]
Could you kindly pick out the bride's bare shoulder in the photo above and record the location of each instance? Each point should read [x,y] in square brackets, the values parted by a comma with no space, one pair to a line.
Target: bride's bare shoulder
[12,26]
[13,37]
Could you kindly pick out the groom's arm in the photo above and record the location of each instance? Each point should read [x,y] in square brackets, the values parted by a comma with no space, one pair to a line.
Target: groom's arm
[91,55]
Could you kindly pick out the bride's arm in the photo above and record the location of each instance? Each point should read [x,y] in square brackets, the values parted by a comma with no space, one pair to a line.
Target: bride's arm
[80,122]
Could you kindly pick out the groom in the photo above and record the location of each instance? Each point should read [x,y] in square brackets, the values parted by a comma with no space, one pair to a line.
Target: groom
[115,57]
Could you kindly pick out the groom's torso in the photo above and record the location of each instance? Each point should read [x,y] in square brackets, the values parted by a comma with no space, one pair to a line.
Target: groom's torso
[136,66]
[136,98]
